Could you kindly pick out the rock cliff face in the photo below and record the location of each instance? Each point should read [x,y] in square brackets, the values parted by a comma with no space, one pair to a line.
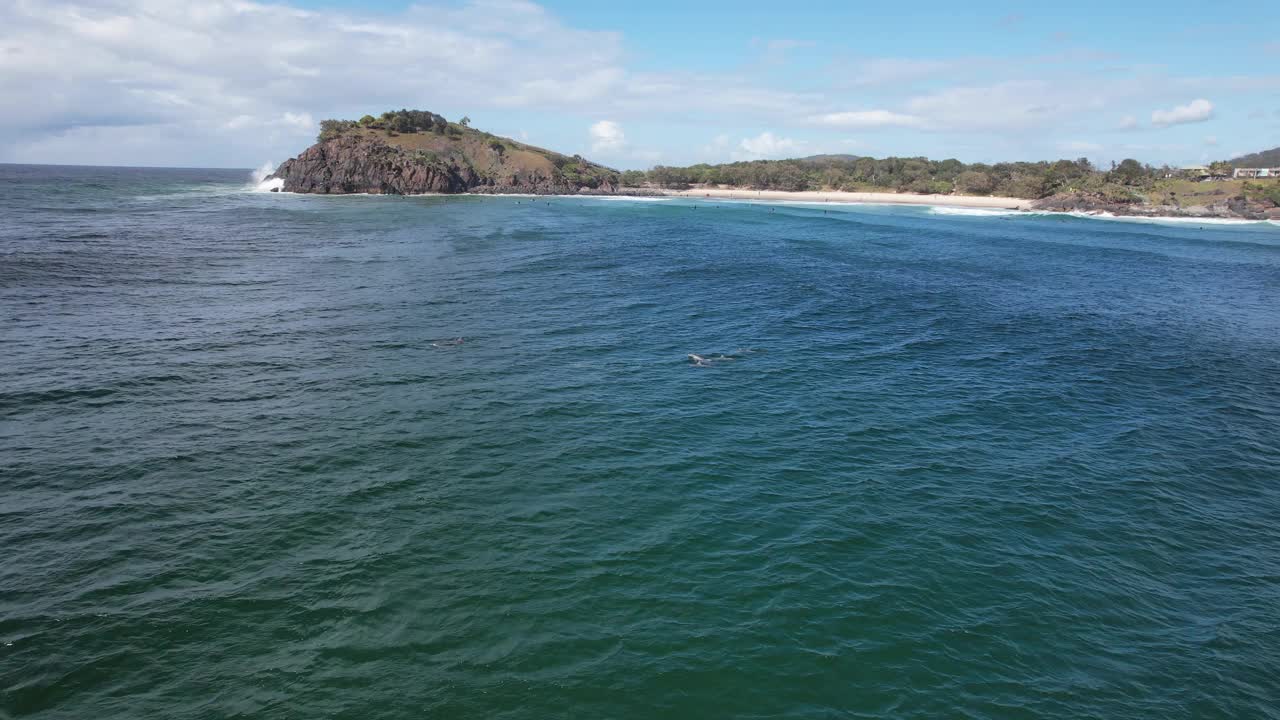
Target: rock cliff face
[352,164]
[1234,207]
[417,163]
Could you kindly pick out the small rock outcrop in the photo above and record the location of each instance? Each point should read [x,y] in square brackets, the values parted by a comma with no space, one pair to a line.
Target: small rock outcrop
[366,161]
[1228,207]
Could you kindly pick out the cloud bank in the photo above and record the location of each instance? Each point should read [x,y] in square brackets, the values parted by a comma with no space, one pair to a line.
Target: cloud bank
[1193,112]
[137,81]
[607,137]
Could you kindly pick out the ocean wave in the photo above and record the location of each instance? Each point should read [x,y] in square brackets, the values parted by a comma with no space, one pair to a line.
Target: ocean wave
[1103,215]
[832,203]
[1191,220]
[259,181]
[976,212]
[1183,221]
[814,204]
[618,198]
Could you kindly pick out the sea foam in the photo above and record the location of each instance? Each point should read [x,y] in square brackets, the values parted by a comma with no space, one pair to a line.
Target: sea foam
[1102,215]
[977,212]
[1188,220]
[259,180]
[619,198]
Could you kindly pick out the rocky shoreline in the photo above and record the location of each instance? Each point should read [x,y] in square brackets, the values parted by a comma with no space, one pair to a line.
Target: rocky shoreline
[1233,208]
[360,164]
[357,163]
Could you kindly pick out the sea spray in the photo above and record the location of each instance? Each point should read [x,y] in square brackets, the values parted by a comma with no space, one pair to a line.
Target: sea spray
[260,181]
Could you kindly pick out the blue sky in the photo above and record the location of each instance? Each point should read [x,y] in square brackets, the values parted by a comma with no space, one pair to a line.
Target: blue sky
[237,83]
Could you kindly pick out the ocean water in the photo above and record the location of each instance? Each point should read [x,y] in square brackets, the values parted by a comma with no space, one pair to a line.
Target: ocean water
[267,455]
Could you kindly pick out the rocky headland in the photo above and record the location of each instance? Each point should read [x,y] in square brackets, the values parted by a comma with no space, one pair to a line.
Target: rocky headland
[395,156]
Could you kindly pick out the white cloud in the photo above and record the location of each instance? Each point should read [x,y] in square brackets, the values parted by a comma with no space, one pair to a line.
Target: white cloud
[609,140]
[864,119]
[776,50]
[295,122]
[223,70]
[1128,122]
[896,71]
[1008,105]
[125,81]
[1195,111]
[717,150]
[239,121]
[1080,146]
[1210,140]
[301,121]
[767,145]
[607,137]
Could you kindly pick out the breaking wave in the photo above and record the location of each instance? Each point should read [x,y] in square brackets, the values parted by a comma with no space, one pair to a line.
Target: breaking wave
[620,198]
[977,212]
[1192,220]
[992,212]
[259,181]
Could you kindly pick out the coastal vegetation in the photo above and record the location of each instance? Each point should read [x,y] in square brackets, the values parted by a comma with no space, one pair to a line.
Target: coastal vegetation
[419,151]
[1128,181]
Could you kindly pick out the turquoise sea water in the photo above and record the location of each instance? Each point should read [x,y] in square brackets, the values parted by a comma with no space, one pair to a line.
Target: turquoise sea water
[950,466]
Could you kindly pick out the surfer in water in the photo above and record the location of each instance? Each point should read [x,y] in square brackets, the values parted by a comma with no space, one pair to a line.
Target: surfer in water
[707,360]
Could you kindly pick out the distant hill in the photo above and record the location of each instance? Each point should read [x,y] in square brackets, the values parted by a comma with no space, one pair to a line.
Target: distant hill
[830,157]
[1266,158]
[405,152]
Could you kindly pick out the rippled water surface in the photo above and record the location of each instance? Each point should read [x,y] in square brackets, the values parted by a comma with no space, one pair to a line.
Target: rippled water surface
[934,465]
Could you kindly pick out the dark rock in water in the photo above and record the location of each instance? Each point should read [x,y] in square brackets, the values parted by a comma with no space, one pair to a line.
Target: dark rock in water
[355,164]
[275,189]
[414,164]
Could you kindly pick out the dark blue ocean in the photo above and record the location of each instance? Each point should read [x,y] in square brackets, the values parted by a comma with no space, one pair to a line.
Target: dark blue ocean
[277,456]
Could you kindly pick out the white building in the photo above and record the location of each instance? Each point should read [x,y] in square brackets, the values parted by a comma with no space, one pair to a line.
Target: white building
[1249,173]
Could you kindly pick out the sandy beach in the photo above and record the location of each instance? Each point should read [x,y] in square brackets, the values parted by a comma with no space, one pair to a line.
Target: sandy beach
[967,201]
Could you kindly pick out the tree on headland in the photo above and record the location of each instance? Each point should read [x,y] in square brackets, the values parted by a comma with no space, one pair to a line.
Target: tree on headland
[330,129]
[401,121]
[1128,172]
[465,121]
